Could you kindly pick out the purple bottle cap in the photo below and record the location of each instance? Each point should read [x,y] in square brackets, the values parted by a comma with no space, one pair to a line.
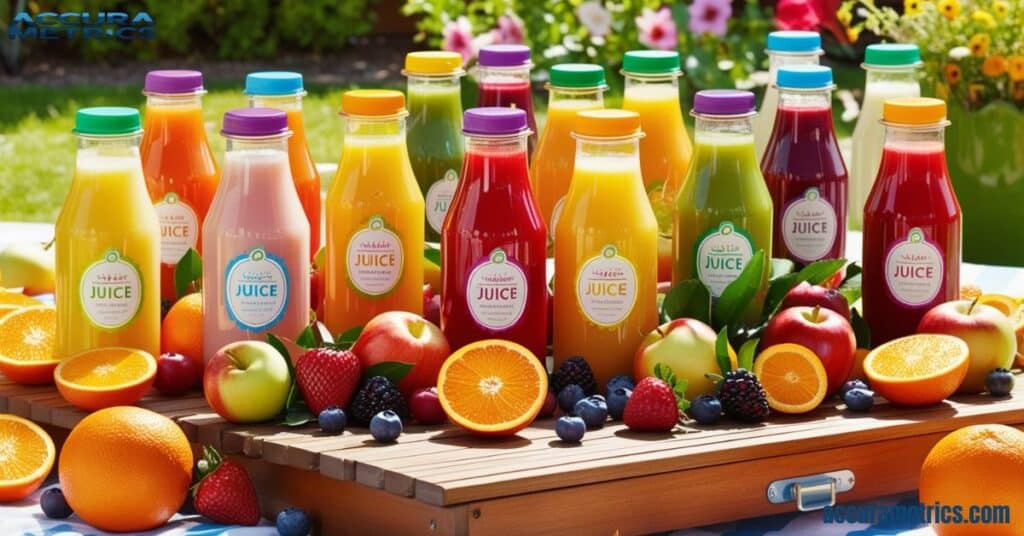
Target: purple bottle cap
[723,102]
[504,56]
[254,122]
[493,121]
[173,81]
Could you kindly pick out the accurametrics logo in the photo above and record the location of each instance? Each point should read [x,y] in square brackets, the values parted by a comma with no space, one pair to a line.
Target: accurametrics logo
[68,25]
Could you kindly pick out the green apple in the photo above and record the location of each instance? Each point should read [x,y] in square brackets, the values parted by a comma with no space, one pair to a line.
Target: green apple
[29,266]
[685,345]
[986,330]
[247,381]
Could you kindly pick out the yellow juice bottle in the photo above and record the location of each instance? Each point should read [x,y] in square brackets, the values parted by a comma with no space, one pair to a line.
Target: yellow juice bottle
[375,216]
[107,241]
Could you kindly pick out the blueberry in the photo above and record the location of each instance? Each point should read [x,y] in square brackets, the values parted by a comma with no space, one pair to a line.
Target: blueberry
[293,522]
[593,410]
[999,382]
[617,402]
[706,409]
[622,380]
[386,426]
[569,396]
[53,504]
[852,384]
[332,420]
[570,428]
[858,399]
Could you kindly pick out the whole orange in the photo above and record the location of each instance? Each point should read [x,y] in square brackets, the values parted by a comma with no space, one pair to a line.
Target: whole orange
[182,329]
[125,469]
[977,465]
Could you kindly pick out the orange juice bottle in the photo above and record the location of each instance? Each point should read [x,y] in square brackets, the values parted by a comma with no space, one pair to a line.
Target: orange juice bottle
[375,216]
[181,172]
[606,249]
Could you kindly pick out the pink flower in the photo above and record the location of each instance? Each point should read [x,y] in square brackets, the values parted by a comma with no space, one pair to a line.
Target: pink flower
[710,16]
[595,18]
[657,29]
[457,36]
[509,30]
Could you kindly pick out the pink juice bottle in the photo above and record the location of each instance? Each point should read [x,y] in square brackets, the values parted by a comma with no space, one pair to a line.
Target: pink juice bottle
[256,271]
[503,72]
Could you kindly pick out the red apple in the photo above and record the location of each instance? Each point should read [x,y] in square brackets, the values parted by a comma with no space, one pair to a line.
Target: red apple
[404,337]
[425,406]
[808,295]
[431,304]
[823,331]
[175,374]
[987,331]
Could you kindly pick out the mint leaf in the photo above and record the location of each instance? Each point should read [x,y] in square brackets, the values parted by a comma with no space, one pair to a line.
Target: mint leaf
[737,296]
[189,270]
[687,299]
[861,331]
[722,351]
[432,254]
[781,267]
[392,370]
[748,351]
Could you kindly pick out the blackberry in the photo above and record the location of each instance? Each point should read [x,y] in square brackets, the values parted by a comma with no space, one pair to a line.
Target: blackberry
[376,395]
[574,370]
[743,397]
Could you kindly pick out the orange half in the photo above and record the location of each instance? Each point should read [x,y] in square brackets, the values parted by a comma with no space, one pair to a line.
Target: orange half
[792,376]
[105,377]
[8,297]
[918,370]
[27,342]
[26,457]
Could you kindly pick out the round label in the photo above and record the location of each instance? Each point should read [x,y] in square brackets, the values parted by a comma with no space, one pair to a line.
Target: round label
[111,291]
[497,291]
[374,258]
[721,253]
[606,287]
[256,290]
[809,226]
[555,214]
[439,198]
[914,269]
[179,228]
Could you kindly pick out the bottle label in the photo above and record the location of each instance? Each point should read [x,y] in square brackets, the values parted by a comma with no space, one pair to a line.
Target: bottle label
[497,291]
[111,291]
[256,290]
[606,287]
[555,214]
[809,226]
[374,258]
[179,228]
[720,255]
[439,198]
[914,270]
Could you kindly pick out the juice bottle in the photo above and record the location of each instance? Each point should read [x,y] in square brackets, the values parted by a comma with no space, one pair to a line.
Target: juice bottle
[494,242]
[606,249]
[803,167]
[107,241]
[374,216]
[181,172]
[912,222]
[503,72]
[256,266]
[891,73]
[284,91]
[574,87]
[784,48]
[435,125]
[724,211]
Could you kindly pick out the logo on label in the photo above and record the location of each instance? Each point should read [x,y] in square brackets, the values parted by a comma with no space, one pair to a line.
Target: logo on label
[809,226]
[179,228]
[606,287]
[914,269]
[256,290]
[555,214]
[111,291]
[439,198]
[374,259]
[497,291]
[721,253]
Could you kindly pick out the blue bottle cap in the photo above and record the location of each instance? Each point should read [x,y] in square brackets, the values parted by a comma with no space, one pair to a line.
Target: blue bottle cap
[273,83]
[804,77]
[794,41]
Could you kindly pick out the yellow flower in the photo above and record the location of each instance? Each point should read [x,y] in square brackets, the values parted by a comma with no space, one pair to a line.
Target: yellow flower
[983,18]
[844,17]
[979,44]
[1015,66]
[952,73]
[912,7]
[974,92]
[1001,8]
[949,8]
[994,66]
[853,33]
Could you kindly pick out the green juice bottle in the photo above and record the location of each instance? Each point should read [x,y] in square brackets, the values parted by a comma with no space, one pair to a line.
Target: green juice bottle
[435,131]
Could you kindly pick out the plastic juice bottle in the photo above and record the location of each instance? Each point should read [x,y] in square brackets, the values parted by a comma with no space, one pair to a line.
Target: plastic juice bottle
[256,265]
[284,91]
[912,222]
[181,172]
[574,87]
[724,211]
[107,241]
[435,125]
[784,48]
[804,169]
[891,73]
[374,216]
[494,242]
[606,249]
[503,72]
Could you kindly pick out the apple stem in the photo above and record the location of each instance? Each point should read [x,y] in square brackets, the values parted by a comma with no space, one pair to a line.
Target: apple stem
[658,329]
[233,359]
[813,315]
[48,245]
[970,307]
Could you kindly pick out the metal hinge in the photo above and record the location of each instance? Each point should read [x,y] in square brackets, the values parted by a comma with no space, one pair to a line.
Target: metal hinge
[811,492]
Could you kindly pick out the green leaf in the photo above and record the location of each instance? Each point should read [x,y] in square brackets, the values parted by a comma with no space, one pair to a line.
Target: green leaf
[745,359]
[392,370]
[348,338]
[851,289]
[297,415]
[189,270]
[852,270]
[777,289]
[736,297]
[817,272]
[432,254]
[307,339]
[722,351]
[278,345]
[294,396]
[781,267]
[687,299]
[861,331]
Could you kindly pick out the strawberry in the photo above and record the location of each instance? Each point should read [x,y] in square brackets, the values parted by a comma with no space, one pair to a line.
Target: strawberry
[225,493]
[327,377]
[656,402]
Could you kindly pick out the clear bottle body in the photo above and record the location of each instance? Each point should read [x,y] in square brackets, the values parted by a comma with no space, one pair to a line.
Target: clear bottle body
[765,119]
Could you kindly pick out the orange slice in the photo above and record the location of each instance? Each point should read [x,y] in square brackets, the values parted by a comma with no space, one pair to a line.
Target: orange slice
[26,457]
[27,339]
[8,309]
[918,370]
[492,387]
[792,376]
[16,298]
[105,377]
[1004,303]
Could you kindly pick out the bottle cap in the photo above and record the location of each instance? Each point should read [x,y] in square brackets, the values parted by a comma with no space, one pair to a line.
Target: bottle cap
[794,41]
[892,55]
[433,62]
[914,111]
[804,77]
[254,122]
[273,83]
[107,121]
[494,121]
[650,62]
[723,102]
[577,75]
[503,56]
[608,123]
[372,102]
[173,81]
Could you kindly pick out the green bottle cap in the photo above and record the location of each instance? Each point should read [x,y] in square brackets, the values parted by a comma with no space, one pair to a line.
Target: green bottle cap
[577,75]
[650,62]
[107,121]
[892,55]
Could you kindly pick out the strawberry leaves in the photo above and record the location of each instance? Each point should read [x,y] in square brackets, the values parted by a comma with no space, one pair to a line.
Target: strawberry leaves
[678,386]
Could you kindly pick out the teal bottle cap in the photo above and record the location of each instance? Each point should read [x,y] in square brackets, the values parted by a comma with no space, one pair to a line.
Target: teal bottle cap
[650,62]
[794,41]
[892,55]
[577,75]
[273,83]
[804,77]
[107,121]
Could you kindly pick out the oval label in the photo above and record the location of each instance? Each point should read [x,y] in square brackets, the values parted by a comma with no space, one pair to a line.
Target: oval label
[256,290]
[179,228]
[914,269]
[497,291]
[809,226]
[606,288]
[110,291]
[721,253]
[374,258]
[439,198]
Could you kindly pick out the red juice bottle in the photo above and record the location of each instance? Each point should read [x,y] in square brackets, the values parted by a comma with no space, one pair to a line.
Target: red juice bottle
[494,242]
[503,73]
[804,170]
[912,222]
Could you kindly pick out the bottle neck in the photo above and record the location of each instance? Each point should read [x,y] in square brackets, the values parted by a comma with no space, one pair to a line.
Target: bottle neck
[109,146]
[498,161]
[450,82]
[924,138]
[895,75]
[593,96]
[733,128]
[668,81]
[181,101]
[375,129]
[623,151]
[240,145]
[503,75]
[808,99]
[779,59]
[287,103]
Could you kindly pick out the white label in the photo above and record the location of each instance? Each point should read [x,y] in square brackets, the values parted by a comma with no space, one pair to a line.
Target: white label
[606,288]
[256,290]
[809,226]
[374,258]
[914,270]
[555,214]
[179,228]
[497,292]
[721,255]
[439,198]
[111,291]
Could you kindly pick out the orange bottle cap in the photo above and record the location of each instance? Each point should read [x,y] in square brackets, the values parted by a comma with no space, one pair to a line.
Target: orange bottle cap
[433,62]
[372,102]
[608,123]
[914,111]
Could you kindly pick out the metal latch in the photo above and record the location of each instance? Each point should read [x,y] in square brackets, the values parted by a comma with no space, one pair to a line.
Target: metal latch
[811,492]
